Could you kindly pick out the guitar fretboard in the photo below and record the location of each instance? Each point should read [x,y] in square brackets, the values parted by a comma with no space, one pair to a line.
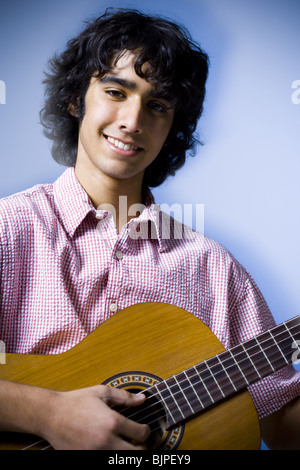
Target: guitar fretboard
[205,384]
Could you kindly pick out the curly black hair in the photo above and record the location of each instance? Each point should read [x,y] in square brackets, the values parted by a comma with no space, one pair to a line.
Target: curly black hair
[178,69]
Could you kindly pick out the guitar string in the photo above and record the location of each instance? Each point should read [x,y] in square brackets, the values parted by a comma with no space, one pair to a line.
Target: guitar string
[32,444]
[150,406]
[47,447]
[157,419]
[37,443]
[195,375]
[153,395]
[217,366]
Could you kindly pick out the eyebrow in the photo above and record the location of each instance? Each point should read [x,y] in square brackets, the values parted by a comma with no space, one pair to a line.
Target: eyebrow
[130,85]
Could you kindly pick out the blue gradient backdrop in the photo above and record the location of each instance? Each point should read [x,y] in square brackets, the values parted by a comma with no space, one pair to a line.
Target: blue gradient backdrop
[247,173]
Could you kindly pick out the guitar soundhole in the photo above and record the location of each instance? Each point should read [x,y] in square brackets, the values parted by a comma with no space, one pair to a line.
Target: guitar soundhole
[151,412]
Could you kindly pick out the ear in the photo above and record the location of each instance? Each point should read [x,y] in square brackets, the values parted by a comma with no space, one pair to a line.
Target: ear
[73,108]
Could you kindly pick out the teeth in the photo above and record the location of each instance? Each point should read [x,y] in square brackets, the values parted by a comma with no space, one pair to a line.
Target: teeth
[121,145]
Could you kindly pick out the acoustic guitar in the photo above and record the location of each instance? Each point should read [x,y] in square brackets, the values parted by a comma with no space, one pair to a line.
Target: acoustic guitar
[196,391]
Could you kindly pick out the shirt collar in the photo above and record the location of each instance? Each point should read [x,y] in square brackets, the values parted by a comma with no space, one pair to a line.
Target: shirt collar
[74,205]
[164,227]
[72,200]
[159,222]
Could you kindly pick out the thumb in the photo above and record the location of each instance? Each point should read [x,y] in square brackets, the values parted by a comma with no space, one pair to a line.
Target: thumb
[117,396]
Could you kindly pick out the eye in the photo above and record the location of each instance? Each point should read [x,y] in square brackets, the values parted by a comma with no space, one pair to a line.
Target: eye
[159,107]
[115,93]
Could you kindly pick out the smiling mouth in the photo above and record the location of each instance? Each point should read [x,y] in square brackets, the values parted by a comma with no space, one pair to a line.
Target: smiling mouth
[121,145]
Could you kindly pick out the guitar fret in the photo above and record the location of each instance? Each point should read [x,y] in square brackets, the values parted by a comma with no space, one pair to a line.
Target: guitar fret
[238,367]
[245,364]
[173,396]
[182,389]
[228,376]
[170,414]
[279,349]
[263,352]
[229,363]
[189,394]
[252,363]
[221,376]
[285,342]
[204,385]
[193,389]
[270,348]
[213,376]
[289,332]
[257,357]
[203,400]
[178,389]
[209,382]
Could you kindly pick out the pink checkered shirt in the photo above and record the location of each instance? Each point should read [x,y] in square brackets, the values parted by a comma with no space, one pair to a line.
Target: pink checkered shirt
[64,270]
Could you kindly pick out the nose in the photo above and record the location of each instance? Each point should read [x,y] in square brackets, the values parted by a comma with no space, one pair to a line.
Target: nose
[131,117]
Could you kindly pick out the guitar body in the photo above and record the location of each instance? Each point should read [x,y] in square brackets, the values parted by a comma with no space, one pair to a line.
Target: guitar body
[133,349]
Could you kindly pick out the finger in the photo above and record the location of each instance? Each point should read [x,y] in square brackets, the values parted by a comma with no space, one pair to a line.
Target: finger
[122,444]
[132,430]
[116,396]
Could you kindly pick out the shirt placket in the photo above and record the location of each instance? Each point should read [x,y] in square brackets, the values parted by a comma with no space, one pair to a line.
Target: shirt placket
[115,284]
[118,248]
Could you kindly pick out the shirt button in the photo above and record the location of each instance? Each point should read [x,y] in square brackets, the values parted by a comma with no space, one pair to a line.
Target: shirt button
[119,254]
[101,215]
[113,308]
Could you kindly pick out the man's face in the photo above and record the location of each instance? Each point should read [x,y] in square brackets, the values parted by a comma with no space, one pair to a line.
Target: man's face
[125,124]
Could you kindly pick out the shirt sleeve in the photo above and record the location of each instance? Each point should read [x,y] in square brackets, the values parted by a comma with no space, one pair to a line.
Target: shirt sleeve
[3,268]
[273,392]
[1,265]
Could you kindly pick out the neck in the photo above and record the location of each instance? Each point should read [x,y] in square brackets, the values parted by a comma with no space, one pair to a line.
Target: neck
[115,195]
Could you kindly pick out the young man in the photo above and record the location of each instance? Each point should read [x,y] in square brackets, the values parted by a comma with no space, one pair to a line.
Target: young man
[122,106]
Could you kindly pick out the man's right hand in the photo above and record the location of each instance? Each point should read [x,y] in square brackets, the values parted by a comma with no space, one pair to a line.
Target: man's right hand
[80,420]
[83,419]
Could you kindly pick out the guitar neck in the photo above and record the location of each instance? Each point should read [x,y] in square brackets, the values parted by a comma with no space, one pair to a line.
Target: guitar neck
[231,371]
